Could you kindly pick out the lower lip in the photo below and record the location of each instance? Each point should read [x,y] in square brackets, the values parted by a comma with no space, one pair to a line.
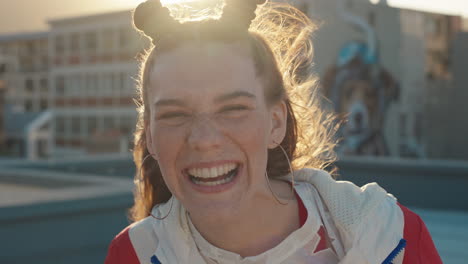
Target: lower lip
[215,188]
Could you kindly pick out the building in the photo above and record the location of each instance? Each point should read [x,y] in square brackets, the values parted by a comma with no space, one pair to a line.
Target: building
[447,106]
[417,49]
[24,81]
[70,91]
[92,80]
[77,80]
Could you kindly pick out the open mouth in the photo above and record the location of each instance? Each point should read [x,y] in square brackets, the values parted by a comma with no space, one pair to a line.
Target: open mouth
[213,176]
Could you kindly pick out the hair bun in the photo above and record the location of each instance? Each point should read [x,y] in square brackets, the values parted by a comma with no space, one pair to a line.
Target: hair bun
[142,14]
[153,19]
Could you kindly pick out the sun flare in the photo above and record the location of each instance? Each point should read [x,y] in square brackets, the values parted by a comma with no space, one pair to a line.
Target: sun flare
[168,2]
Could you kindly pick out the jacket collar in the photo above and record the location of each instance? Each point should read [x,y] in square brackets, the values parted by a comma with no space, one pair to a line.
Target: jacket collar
[369,221]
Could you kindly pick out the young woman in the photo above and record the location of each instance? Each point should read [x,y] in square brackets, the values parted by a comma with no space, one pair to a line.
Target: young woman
[227,126]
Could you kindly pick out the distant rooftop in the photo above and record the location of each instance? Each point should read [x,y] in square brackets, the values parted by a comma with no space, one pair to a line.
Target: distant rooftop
[23,36]
[87,18]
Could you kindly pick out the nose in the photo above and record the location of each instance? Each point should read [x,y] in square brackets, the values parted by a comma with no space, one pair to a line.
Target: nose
[204,134]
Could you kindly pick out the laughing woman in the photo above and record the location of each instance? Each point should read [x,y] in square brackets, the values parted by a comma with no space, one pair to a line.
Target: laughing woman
[227,126]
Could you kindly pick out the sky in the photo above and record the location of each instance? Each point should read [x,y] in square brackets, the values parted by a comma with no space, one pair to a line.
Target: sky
[450,7]
[26,15]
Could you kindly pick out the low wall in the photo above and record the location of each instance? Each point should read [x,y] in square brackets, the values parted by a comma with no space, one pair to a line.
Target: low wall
[70,232]
[433,184]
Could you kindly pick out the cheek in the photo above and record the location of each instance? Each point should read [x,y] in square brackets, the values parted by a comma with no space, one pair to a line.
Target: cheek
[251,134]
[166,142]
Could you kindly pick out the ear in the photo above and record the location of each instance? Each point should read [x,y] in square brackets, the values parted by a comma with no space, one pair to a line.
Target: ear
[279,118]
[149,141]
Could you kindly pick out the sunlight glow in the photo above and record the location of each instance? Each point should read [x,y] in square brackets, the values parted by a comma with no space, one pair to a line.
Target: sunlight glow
[168,2]
[449,7]
[133,3]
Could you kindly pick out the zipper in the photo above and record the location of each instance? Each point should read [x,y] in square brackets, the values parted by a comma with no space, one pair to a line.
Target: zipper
[395,252]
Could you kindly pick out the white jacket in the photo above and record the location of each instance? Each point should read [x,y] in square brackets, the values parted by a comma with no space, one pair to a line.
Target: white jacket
[369,222]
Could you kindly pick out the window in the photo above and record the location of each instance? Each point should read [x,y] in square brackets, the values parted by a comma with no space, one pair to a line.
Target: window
[127,124]
[123,84]
[3,68]
[124,38]
[76,125]
[29,86]
[43,46]
[75,43]
[28,105]
[27,63]
[44,85]
[109,123]
[91,85]
[44,61]
[60,126]
[91,42]
[60,85]
[74,86]
[59,45]
[43,104]
[92,125]
[68,87]
[116,85]
[108,40]
[105,85]
[30,47]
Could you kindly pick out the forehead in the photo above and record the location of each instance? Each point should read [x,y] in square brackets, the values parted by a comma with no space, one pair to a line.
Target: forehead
[211,68]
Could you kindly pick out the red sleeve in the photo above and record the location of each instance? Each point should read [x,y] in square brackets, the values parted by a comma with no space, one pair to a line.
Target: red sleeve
[121,250]
[420,248]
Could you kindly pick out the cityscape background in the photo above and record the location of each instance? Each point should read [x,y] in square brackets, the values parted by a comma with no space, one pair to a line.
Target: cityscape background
[67,116]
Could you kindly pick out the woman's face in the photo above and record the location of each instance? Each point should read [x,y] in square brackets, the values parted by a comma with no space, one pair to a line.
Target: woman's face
[210,127]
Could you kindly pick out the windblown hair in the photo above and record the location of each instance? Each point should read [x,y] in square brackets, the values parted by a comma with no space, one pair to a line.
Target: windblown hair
[279,39]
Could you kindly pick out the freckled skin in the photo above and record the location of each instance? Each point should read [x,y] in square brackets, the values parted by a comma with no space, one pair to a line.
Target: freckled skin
[197,76]
[189,125]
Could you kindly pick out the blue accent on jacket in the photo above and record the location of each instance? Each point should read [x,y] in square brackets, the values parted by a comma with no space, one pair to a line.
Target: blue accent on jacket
[155,260]
[395,252]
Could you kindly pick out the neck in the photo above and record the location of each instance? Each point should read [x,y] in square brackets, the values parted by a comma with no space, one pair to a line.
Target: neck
[256,227]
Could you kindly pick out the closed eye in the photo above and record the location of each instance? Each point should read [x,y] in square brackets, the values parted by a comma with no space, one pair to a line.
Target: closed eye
[173,118]
[170,115]
[233,108]
[234,111]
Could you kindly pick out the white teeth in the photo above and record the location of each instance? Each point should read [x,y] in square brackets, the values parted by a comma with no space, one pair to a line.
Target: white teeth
[213,183]
[213,171]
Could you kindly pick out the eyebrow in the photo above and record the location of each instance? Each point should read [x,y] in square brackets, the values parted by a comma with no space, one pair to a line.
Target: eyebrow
[164,102]
[233,95]
[221,98]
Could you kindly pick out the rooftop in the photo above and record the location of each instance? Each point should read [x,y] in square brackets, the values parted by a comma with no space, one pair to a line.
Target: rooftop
[23,36]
